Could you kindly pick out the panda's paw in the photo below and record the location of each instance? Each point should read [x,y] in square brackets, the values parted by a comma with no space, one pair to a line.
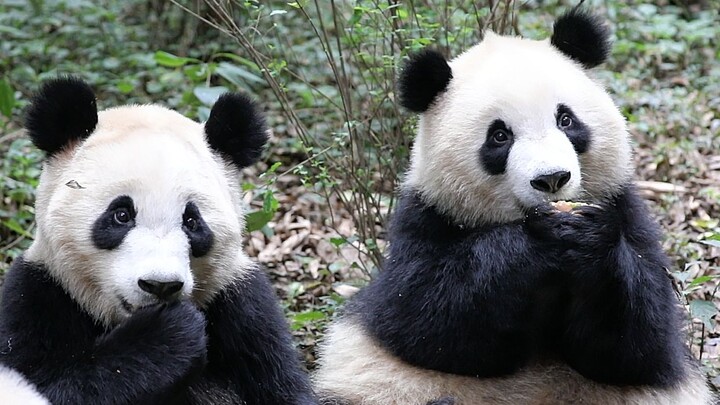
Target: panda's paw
[590,228]
[185,326]
[583,229]
[545,223]
[177,328]
[170,337]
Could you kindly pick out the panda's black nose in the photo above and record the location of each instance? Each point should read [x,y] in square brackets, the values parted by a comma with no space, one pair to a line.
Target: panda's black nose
[550,183]
[161,289]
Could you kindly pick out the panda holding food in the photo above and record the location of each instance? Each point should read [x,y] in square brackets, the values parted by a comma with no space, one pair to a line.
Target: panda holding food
[523,267]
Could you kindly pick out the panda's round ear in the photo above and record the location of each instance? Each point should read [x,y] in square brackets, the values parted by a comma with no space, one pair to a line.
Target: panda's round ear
[423,77]
[61,112]
[236,129]
[582,36]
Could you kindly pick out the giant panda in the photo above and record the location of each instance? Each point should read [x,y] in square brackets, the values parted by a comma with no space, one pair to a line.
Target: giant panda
[489,293]
[136,288]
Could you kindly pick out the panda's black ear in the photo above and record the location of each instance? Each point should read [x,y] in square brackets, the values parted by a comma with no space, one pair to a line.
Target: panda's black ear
[582,36]
[61,112]
[236,129]
[423,77]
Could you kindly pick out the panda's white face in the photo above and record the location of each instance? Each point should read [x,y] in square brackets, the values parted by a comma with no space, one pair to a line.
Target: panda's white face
[141,212]
[518,125]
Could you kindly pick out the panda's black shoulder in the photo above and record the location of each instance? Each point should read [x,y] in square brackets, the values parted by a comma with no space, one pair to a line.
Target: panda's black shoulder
[416,219]
[29,286]
[248,309]
[30,297]
[253,285]
[245,318]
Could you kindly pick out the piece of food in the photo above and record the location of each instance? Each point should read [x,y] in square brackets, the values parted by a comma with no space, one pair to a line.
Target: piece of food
[567,206]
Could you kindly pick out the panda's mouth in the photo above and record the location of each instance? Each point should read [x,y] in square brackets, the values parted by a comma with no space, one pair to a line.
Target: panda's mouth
[125,305]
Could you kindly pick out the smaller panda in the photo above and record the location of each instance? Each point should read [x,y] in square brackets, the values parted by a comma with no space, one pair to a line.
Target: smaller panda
[15,389]
[136,288]
[491,295]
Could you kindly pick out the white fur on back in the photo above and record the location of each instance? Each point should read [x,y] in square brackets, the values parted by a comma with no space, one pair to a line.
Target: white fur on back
[354,367]
[161,159]
[16,390]
[522,82]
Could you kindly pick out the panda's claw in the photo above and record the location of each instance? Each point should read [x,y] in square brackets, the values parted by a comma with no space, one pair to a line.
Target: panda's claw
[586,228]
[580,229]
[443,401]
[589,211]
[543,221]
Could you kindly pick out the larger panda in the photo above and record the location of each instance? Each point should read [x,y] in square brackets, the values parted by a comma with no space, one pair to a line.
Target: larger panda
[136,288]
[489,294]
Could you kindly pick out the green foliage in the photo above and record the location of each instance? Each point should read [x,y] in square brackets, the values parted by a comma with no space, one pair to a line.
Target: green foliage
[113,46]
[661,60]
[76,37]
[20,170]
[315,318]
[7,99]
[705,311]
[258,219]
[201,75]
[332,68]
[712,240]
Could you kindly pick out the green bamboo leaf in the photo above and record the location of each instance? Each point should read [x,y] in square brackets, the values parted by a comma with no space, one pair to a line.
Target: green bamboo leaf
[701,280]
[257,219]
[299,320]
[166,59]
[209,95]
[12,225]
[7,98]
[237,75]
[704,310]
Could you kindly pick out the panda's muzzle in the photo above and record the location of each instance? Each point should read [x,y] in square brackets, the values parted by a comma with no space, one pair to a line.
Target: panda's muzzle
[163,290]
[550,183]
[125,304]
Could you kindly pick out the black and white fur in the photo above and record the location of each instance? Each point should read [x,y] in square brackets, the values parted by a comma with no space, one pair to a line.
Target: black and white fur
[490,296]
[136,288]
[16,389]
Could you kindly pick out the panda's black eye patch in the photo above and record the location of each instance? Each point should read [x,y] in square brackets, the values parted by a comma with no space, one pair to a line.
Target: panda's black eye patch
[198,232]
[576,131]
[496,148]
[110,228]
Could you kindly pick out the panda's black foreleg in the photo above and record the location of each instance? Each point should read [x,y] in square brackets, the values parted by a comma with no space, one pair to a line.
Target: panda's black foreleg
[72,360]
[145,359]
[251,353]
[457,299]
[621,324]
[152,355]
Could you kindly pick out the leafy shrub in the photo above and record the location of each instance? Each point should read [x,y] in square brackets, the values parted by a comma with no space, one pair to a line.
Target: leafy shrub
[332,68]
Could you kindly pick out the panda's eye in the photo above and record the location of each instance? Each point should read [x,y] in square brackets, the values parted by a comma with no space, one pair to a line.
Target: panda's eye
[191,224]
[122,216]
[565,120]
[500,136]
